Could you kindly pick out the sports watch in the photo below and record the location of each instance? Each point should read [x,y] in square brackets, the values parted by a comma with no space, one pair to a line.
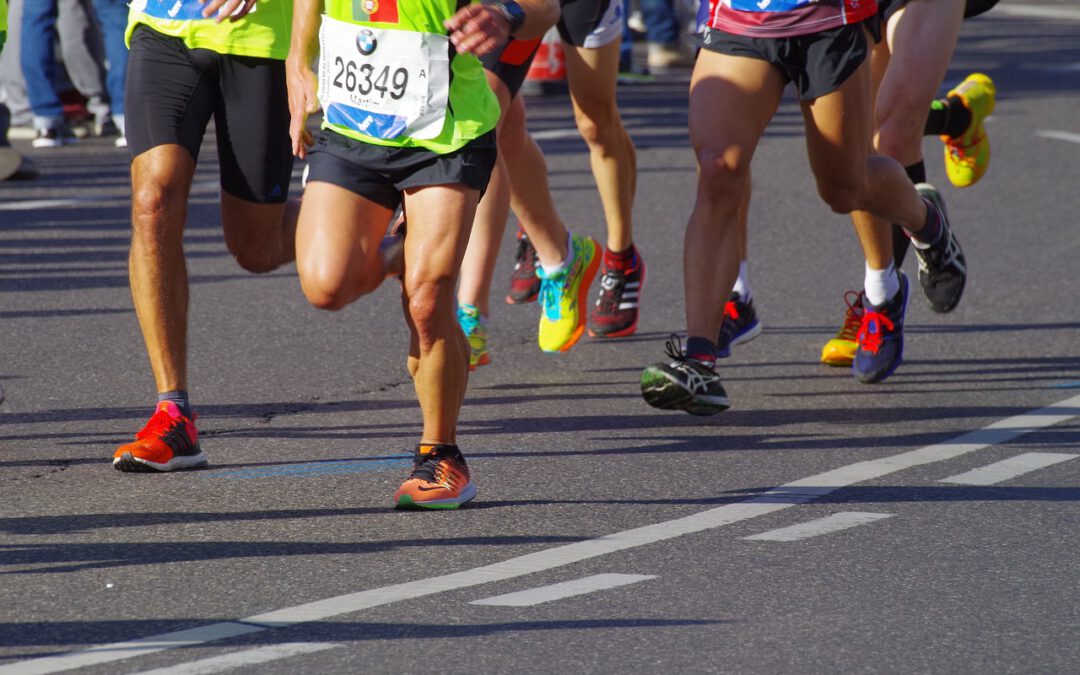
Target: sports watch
[511,11]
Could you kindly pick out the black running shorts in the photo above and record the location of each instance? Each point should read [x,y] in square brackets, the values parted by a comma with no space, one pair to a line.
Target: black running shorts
[817,63]
[172,92]
[382,173]
[511,63]
[590,23]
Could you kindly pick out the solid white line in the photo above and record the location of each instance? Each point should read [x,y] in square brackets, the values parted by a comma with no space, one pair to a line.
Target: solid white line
[785,496]
[1038,11]
[566,589]
[827,525]
[219,664]
[1060,136]
[1008,469]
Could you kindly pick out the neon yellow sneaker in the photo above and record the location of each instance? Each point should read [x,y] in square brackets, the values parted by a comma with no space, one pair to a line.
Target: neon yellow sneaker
[968,157]
[564,295]
[840,351]
[475,326]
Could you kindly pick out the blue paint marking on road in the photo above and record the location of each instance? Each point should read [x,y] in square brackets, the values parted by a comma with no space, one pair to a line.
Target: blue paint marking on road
[1068,385]
[319,468]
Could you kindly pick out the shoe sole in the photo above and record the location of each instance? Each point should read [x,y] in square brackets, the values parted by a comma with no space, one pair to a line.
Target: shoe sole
[511,300]
[751,332]
[468,493]
[657,392]
[484,360]
[131,464]
[833,356]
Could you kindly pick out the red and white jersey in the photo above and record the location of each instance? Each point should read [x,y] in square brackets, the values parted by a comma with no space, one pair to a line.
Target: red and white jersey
[786,18]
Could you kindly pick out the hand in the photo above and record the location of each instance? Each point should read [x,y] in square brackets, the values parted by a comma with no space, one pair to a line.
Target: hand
[233,10]
[303,100]
[478,29]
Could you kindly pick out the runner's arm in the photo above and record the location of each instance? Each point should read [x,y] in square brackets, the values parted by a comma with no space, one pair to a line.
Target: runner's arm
[299,75]
[480,28]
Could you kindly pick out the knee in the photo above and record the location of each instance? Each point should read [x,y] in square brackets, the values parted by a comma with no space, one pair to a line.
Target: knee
[598,124]
[841,198]
[157,215]
[252,255]
[723,172]
[899,134]
[428,301]
[327,287]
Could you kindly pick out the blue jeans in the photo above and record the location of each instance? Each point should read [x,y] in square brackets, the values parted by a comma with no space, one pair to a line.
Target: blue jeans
[661,24]
[39,61]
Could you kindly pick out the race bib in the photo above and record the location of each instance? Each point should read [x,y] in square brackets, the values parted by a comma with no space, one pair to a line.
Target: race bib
[768,5]
[186,10]
[383,83]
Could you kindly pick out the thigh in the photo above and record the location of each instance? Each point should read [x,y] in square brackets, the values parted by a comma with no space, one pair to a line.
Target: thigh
[732,100]
[839,130]
[592,74]
[252,120]
[920,37]
[440,219]
[169,90]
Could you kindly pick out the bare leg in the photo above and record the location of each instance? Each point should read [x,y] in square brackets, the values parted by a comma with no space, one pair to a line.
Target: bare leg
[591,74]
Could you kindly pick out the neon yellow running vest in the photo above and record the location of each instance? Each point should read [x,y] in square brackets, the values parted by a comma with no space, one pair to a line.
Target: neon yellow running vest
[389,76]
[264,32]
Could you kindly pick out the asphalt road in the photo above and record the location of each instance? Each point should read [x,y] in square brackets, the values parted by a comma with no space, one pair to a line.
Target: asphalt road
[928,524]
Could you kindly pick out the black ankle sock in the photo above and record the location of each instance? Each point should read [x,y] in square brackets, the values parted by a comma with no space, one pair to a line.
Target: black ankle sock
[701,349]
[931,230]
[180,398]
[948,117]
[916,172]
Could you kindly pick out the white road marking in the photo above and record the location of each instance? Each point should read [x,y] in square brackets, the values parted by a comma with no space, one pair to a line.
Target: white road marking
[1060,136]
[783,497]
[827,525]
[37,204]
[1010,468]
[566,589]
[250,657]
[1038,11]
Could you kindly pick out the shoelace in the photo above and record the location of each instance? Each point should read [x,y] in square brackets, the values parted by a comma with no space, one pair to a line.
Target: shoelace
[870,335]
[434,467]
[853,317]
[731,311]
[468,321]
[696,380]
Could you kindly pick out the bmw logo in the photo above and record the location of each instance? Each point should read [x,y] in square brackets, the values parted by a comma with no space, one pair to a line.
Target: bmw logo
[366,42]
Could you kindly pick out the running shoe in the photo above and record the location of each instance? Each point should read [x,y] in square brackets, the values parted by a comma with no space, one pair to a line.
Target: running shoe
[563,295]
[168,442]
[967,157]
[840,351]
[439,480]
[683,384]
[740,325]
[475,326]
[942,266]
[881,337]
[524,281]
[615,313]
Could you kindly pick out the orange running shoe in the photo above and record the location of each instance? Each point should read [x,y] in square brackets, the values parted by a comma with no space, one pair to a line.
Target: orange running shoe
[840,351]
[169,441]
[439,480]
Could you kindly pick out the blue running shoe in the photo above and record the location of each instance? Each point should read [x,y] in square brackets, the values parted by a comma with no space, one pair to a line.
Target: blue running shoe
[740,325]
[881,337]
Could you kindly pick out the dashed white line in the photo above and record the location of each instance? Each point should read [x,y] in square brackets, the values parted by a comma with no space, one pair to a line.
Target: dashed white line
[250,657]
[783,497]
[814,528]
[566,589]
[1059,135]
[1008,469]
[1038,11]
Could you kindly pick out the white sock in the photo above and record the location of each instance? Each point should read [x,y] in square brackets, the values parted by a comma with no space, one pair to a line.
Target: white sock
[880,285]
[550,271]
[742,284]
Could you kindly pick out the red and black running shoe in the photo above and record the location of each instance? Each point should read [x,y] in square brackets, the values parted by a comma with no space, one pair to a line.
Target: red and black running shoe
[615,313]
[524,283]
[168,442]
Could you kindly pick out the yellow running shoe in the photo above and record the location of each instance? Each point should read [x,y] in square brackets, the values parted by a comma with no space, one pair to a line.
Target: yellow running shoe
[968,157]
[475,326]
[840,351]
[563,296]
